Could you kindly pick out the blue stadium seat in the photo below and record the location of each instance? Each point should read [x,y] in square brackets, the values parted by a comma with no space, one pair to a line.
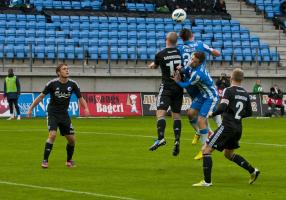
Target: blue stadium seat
[79,52]
[93,42]
[50,52]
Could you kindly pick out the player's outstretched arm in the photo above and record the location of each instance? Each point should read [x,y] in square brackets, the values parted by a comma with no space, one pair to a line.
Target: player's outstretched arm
[35,103]
[84,105]
[216,52]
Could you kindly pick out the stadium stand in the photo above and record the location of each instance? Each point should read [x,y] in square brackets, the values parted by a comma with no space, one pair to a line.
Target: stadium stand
[121,38]
[271,8]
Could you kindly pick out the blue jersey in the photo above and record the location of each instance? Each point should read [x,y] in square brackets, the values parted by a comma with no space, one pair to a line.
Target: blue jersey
[189,47]
[201,78]
[186,51]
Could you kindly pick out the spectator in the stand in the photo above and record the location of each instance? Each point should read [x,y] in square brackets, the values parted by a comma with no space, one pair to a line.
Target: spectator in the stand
[108,5]
[161,6]
[257,88]
[275,100]
[283,7]
[220,6]
[183,4]
[3,3]
[121,5]
[222,83]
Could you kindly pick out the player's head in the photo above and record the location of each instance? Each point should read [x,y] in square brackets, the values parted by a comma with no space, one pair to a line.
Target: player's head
[237,76]
[186,35]
[197,59]
[62,71]
[171,39]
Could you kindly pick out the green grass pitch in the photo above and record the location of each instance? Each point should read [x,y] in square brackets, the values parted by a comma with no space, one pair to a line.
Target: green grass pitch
[113,162]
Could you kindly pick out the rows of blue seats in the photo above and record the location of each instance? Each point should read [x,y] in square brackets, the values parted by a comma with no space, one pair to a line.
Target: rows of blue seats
[39,33]
[270,7]
[51,4]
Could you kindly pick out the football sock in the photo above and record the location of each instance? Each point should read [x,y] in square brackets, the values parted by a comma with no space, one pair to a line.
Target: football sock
[177,129]
[217,120]
[203,135]
[242,163]
[161,125]
[207,167]
[48,149]
[194,124]
[70,150]
[208,125]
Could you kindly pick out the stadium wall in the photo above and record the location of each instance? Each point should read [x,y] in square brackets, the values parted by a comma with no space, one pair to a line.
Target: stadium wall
[116,104]
[128,83]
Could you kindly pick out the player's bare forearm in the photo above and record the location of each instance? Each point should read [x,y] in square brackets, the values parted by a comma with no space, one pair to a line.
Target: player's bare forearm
[153,66]
[35,103]
[84,105]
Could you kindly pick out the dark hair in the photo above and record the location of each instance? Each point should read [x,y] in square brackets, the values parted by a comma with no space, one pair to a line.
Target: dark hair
[201,56]
[185,34]
[59,67]
[237,75]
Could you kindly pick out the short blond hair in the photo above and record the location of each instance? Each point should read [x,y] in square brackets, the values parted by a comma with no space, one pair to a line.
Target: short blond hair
[237,75]
[172,37]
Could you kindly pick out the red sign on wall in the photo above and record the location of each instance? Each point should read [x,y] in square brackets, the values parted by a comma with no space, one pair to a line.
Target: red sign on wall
[4,106]
[113,104]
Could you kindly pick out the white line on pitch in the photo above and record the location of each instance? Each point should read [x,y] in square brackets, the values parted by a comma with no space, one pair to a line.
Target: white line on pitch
[145,136]
[65,190]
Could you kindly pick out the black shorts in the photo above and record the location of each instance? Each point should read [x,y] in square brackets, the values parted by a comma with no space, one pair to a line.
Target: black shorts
[62,121]
[170,96]
[225,137]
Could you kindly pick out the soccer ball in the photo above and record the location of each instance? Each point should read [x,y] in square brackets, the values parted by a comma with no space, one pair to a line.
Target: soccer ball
[179,15]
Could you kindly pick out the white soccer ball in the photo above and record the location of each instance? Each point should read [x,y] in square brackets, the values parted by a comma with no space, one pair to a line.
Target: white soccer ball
[179,15]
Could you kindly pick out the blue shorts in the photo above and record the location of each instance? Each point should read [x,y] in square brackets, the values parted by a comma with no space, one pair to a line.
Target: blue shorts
[204,105]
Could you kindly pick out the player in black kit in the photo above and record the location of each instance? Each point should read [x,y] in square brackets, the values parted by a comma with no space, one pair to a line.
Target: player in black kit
[170,94]
[234,106]
[60,90]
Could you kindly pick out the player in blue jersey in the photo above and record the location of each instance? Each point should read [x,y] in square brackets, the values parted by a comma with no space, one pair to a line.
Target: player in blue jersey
[208,98]
[190,46]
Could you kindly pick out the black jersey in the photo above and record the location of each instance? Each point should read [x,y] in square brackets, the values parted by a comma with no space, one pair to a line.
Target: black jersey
[60,94]
[168,59]
[237,105]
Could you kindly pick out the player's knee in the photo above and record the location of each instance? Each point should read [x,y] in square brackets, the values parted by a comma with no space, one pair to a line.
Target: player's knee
[206,149]
[52,137]
[191,114]
[176,116]
[228,155]
[71,140]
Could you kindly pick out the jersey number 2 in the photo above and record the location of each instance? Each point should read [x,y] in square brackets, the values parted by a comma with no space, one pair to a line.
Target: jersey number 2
[238,105]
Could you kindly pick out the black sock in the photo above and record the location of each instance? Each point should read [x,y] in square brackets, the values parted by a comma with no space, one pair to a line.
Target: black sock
[177,129]
[161,125]
[242,163]
[48,149]
[70,150]
[207,166]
